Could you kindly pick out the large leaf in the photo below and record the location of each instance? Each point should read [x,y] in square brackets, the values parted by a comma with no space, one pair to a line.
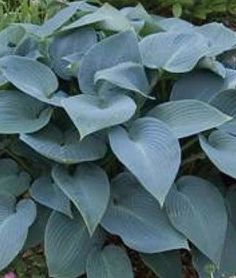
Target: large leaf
[65,146]
[67,244]
[219,37]
[202,220]
[47,193]
[13,180]
[14,230]
[129,76]
[137,218]
[164,264]
[54,23]
[110,262]
[220,147]
[79,41]
[29,76]
[92,113]
[148,149]
[188,117]
[89,190]
[20,113]
[202,85]
[106,17]
[123,47]
[171,52]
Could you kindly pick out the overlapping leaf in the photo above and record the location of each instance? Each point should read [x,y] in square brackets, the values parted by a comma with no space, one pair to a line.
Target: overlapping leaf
[147,149]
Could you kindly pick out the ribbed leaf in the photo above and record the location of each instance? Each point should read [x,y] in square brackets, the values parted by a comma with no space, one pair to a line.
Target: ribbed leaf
[110,262]
[88,188]
[67,244]
[79,41]
[97,59]
[14,230]
[148,149]
[202,85]
[91,113]
[171,52]
[20,113]
[106,17]
[29,76]
[65,146]
[13,180]
[165,264]
[220,147]
[129,76]
[188,117]
[137,218]
[202,220]
[47,193]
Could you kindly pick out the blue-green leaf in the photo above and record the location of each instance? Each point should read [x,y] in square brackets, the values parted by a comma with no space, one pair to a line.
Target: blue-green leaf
[92,113]
[14,230]
[148,149]
[109,262]
[13,180]
[47,193]
[122,47]
[202,220]
[137,218]
[220,147]
[188,117]
[20,113]
[65,146]
[29,76]
[89,190]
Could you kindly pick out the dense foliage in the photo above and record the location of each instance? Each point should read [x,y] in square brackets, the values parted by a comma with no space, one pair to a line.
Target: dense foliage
[118,123]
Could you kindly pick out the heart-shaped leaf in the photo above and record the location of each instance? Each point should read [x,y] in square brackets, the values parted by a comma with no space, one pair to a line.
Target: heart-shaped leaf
[29,76]
[137,218]
[123,47]
[47,193]
[20,113]
[92,113]
[188,117]
[202,220]
[14,230]
[220,147]
[110,262]
[148,149]
[65,146]
[89,190]
[12,180]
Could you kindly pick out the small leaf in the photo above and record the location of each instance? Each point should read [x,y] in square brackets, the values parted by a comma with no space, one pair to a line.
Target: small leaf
[147,149]
[170,51]
[67,244]
[29,76]
[20,113]
[164,264]
[177,10]
[202,220]
[89,190]
[137,218]
[106,17]
[47,193]
[220,147]
[92,113]
[65,146]
[14,230]
[123,47]
[129,76]
[12,180]
[188,117]
[110,262]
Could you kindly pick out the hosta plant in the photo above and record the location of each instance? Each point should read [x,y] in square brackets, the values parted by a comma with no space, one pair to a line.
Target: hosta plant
[118,132]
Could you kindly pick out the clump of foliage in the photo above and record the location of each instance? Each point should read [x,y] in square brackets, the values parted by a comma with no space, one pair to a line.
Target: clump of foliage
[118,123]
